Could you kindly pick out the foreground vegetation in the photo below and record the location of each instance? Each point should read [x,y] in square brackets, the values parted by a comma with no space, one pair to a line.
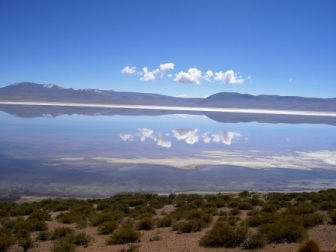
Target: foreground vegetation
[245,220]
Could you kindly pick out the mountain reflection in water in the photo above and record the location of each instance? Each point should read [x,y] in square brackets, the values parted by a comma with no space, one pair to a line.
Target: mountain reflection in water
[63,151]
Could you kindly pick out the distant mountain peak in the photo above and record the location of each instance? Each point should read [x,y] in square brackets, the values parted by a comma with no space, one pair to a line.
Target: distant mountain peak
[36,85]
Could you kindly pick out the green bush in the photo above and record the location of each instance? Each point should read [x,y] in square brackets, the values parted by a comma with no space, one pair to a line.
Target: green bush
[309,246]
[122,235]
[26,243]
[165,221]
[332,215]
[146,224]
[269,208]
[245,205]
[62,245]
[107,227]
[189,226]
[223,235]
[303,208]
[284,229]
[235,211]
[6,239]
[39,215]
[81,239]
[43,236]
[311,220]
[61,232]
[253,241]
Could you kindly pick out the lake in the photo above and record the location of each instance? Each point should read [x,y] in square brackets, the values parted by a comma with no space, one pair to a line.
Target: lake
[100,152]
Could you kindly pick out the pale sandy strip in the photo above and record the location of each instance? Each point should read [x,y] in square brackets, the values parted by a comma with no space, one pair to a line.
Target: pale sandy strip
[151,107]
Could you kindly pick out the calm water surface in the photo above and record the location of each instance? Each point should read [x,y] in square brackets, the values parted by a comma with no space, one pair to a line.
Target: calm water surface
[98,155]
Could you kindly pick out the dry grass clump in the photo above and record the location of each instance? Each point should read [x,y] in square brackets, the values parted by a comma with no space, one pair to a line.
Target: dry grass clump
[246,220]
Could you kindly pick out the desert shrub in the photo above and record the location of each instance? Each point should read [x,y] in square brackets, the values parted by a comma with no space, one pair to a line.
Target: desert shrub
[327,205]
[61,232]
[6,239]
[233,203]
[284,229]
[253,212]
[29,225]
[165,221]
[223,235]
[303,208]
[232,220]
[254,240]
[122,235]
[36,225]
[20,210]
[189,226]
[81,239]
[309,246]
[70,217]
[82,223]
[40,216]
[99,218]
[244,194]
[26,243]
[209,209]
[43,236]
[332,216]
[107,227]
[235,211]
[245,205]
[311,220]
[146,224]
[141,212]
[269,208]
[62,245]
[256,202]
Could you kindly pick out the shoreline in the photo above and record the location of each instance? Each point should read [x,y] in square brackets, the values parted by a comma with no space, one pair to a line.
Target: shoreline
[173,108]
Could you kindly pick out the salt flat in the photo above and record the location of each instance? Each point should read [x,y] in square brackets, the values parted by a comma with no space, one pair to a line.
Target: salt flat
[173,108]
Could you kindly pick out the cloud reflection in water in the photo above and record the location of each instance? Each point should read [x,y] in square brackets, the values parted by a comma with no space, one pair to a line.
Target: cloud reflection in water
[190,136]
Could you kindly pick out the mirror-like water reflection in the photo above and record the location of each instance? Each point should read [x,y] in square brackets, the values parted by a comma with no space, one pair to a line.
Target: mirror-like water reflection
[99,153]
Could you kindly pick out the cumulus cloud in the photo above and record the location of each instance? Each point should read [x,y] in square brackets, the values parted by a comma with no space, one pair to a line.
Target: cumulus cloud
[229,77]
[149,134]
[165,67]
[126,137]
[208,75]
[190,136]
[192,76]
[226,137]
[128,70]
[148,75]
[151,75]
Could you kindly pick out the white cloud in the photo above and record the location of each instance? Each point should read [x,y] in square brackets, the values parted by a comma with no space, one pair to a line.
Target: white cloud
[145,133]
[206,137]
[128,70]
[229,77]
[148,75]
[190,136]
[165,144]
[192,76]
[226,137]
[151,75]
[208,75]
[166,66]
[126,137]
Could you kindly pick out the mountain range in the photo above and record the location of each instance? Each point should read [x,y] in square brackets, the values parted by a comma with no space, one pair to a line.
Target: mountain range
[33,92]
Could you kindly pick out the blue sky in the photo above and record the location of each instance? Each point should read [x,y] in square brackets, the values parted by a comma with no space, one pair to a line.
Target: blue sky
[188,48]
